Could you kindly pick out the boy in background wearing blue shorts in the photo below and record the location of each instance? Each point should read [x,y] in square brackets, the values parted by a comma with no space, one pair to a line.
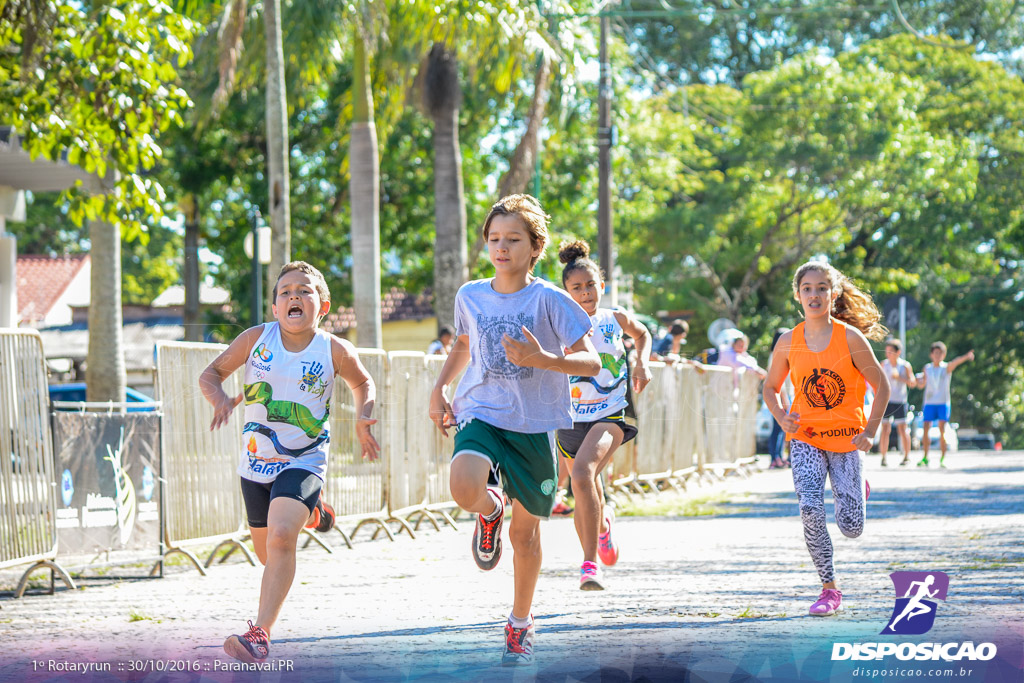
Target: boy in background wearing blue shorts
[935,381]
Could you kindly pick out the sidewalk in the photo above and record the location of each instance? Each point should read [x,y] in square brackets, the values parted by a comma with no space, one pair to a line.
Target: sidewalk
[707,597]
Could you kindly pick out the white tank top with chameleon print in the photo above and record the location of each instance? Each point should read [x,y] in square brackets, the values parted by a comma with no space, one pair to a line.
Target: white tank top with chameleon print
[596,397]
[287,406]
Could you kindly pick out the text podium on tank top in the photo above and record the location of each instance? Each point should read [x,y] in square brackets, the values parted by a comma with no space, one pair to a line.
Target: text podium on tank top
[829,392]
[287,406]
[592,398]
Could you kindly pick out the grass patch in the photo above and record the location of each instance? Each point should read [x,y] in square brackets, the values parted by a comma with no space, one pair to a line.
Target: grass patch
[982,563]
[678,506]
[134,616]
[751,613]
[709,615]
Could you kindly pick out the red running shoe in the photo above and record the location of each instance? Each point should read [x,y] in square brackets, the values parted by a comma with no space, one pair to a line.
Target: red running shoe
[322,518]
[487,537]
[561,509]
[518,645]
[251,647]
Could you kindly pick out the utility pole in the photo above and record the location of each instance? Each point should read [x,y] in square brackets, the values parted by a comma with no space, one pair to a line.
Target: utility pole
[605,239]
[190,317]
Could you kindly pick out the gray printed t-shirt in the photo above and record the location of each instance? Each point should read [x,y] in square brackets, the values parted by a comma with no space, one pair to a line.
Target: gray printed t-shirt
[526,400]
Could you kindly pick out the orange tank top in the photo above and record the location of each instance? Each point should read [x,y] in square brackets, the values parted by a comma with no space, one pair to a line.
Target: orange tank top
[829,392]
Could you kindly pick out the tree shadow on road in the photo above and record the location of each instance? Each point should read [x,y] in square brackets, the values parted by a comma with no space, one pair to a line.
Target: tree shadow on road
[891,503]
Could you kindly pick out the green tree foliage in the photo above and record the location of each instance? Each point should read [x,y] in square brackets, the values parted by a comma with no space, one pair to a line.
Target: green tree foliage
[94,84]
[694,41]
[970,255]
[804,156]
[897,161]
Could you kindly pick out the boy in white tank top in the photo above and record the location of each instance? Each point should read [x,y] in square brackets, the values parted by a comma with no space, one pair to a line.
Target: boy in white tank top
[290,366]
[901,376]
[935,380]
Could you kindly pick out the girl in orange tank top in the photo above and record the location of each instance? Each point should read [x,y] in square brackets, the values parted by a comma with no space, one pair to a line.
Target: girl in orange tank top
[829,391]
[830,362]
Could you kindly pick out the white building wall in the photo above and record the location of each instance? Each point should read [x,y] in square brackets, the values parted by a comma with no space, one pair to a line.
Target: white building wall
[76,294]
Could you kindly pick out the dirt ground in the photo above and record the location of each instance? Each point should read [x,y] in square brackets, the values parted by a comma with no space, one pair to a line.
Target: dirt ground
[700,598]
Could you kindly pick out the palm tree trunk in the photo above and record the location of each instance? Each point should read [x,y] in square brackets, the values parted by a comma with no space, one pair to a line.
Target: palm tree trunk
[105,375]
[521,165]
[450,253]
[277,146]
[364,193]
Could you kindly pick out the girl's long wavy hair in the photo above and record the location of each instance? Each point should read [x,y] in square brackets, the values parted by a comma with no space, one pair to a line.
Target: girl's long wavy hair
[852,305]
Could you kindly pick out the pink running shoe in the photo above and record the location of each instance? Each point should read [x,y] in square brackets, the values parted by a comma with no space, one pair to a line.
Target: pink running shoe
[867,489]
[590,577]
[829,602]
[607,551]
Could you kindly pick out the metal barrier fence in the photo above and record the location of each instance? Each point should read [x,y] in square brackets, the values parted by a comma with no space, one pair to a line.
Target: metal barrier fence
[28,496]
[203,503]
[730,407]
[439,495]
[748,401]
[690,446]
[692,421]
[419,456]
[356,488]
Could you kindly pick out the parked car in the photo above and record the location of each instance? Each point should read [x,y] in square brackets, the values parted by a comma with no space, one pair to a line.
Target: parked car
[763,428]
[76,392]
[971,439]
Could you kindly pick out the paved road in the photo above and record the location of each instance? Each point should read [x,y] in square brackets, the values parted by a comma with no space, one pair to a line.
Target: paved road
[714,598]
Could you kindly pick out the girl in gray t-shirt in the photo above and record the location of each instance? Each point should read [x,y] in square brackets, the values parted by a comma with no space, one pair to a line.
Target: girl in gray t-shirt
[510,331]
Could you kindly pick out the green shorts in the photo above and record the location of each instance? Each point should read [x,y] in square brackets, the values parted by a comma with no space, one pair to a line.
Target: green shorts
[525,462]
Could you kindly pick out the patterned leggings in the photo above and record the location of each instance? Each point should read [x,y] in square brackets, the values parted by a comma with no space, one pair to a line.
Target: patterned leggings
[810,465]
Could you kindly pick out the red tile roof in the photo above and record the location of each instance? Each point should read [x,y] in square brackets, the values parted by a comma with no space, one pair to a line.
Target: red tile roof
[397,304]
[41,282]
